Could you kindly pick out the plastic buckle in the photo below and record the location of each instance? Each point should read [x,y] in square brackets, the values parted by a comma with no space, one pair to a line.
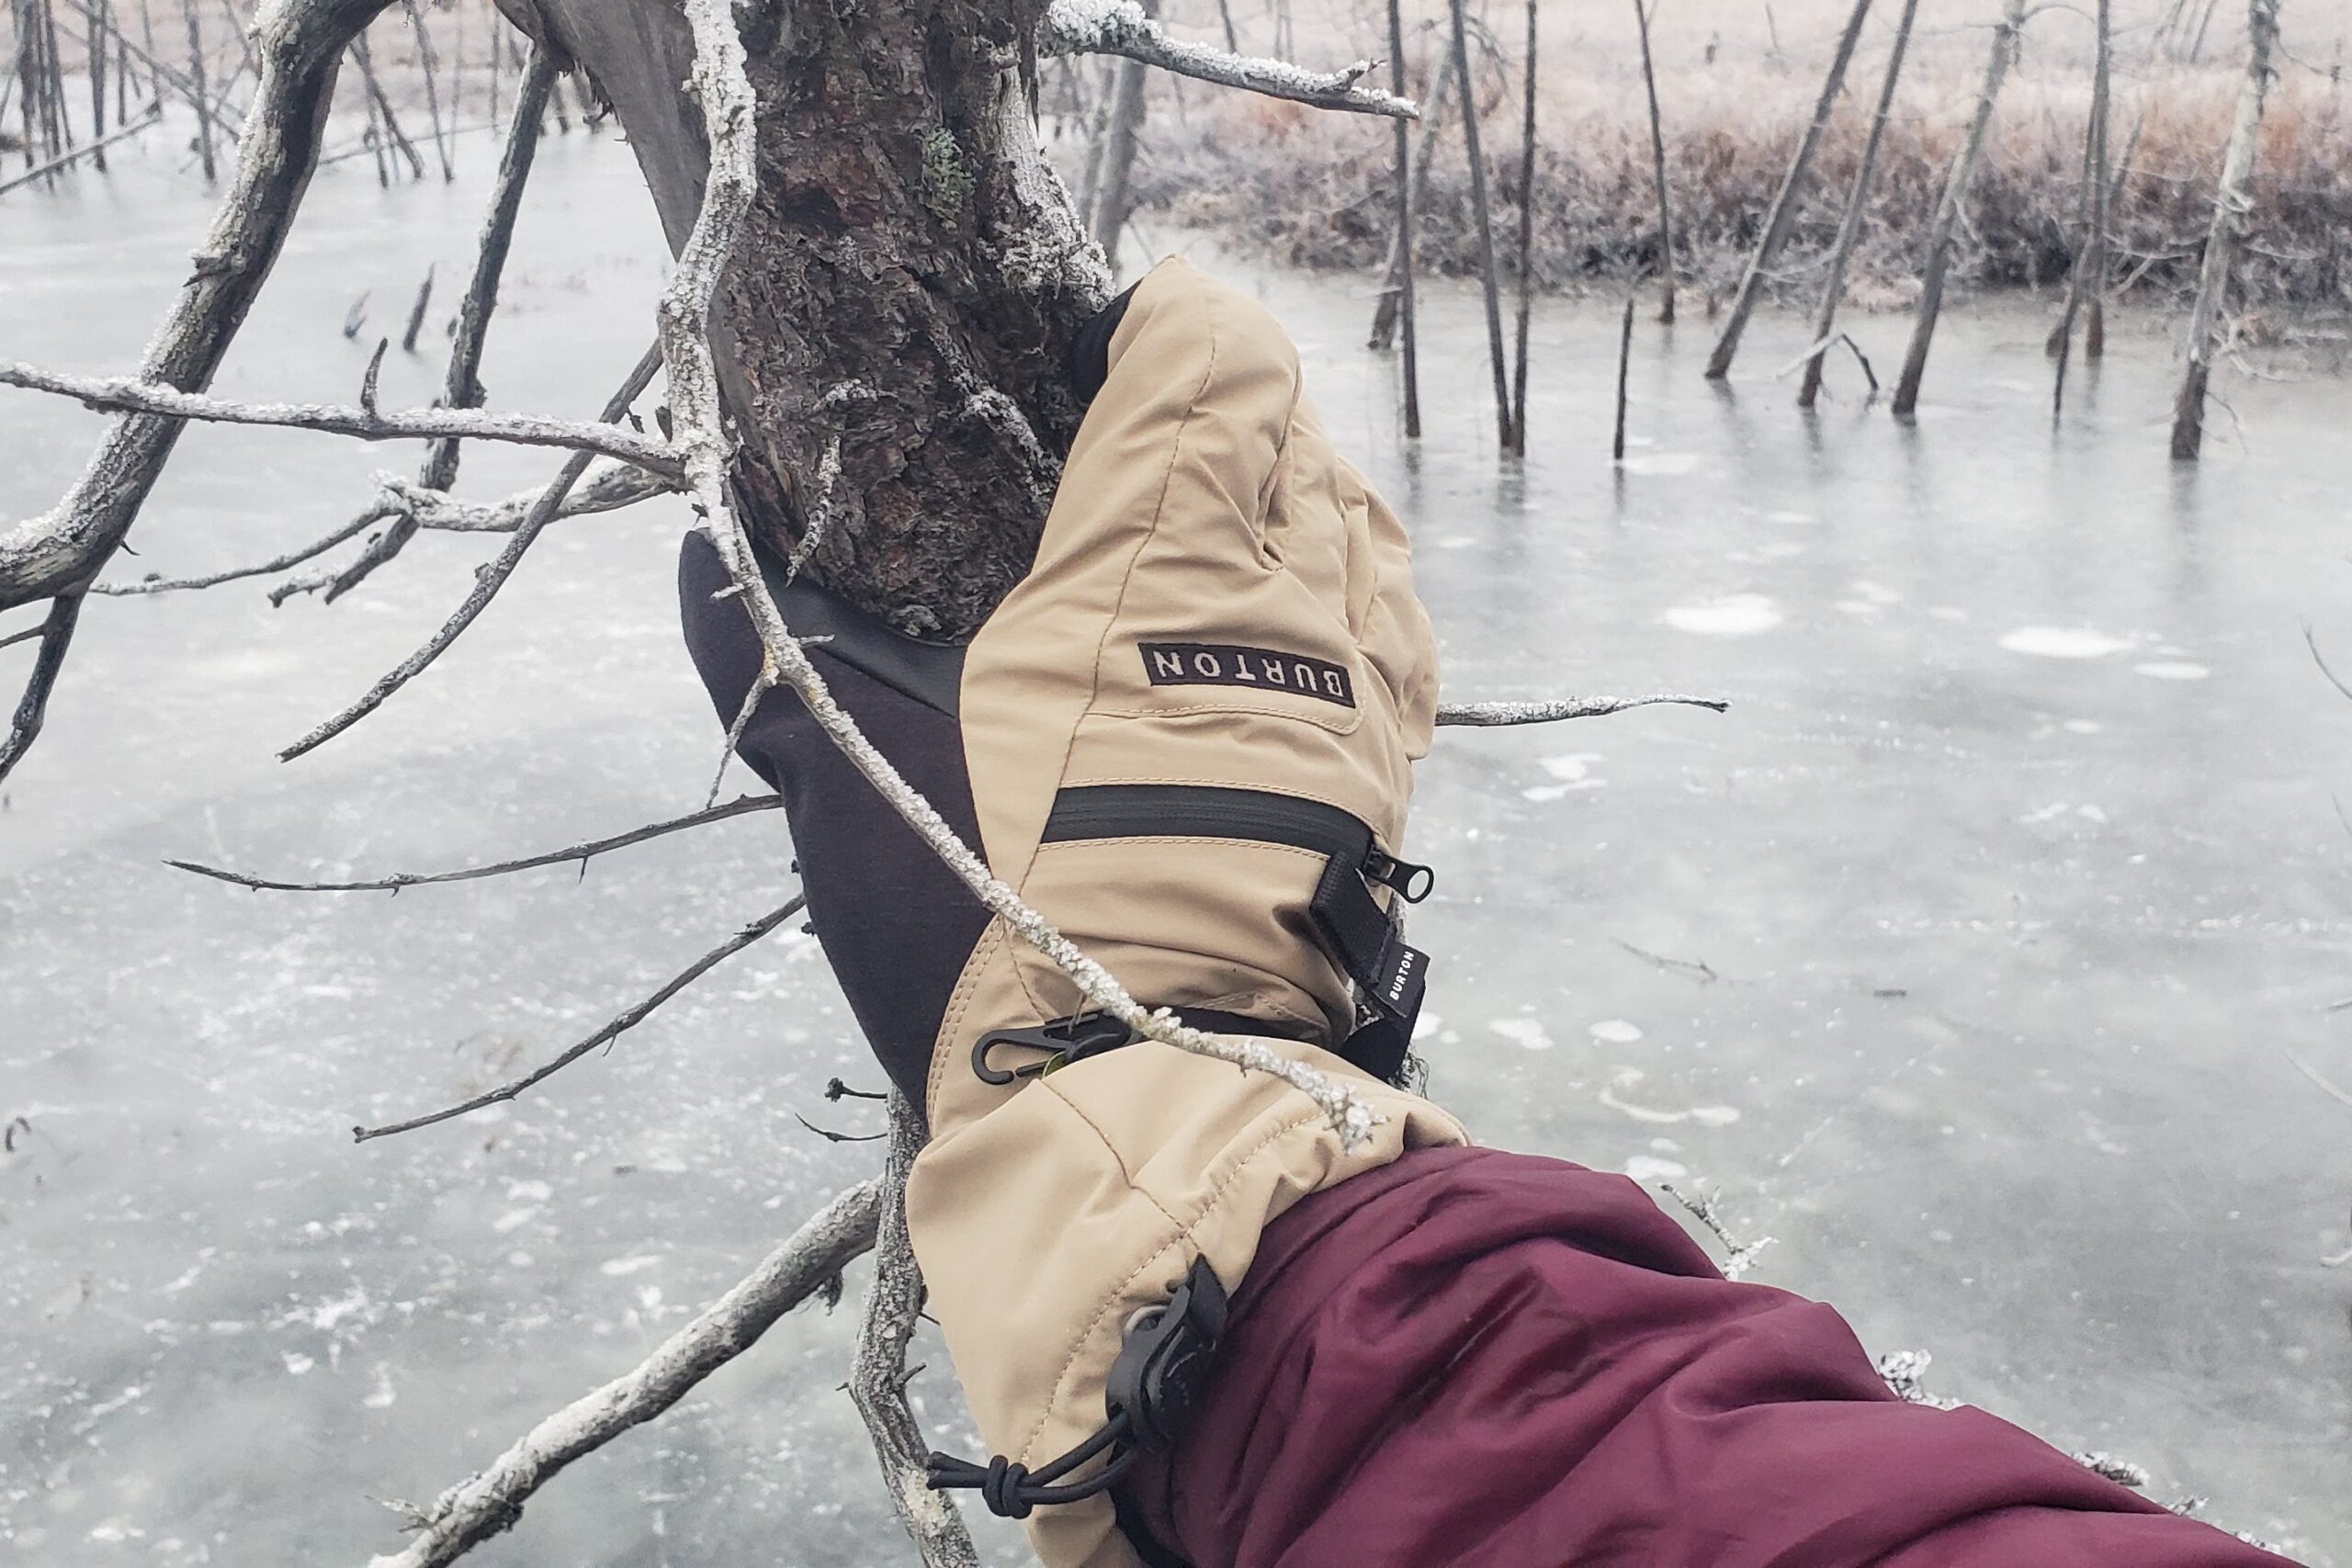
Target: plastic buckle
[1065,1040]
[1160,1378]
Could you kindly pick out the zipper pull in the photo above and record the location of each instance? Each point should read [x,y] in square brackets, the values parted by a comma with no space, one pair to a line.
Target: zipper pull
[1409,882]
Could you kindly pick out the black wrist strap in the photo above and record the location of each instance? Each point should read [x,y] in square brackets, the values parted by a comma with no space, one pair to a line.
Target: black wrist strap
[1155,1392]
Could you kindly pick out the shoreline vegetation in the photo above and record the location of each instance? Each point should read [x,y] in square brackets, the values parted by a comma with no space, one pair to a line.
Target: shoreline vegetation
[1319,190]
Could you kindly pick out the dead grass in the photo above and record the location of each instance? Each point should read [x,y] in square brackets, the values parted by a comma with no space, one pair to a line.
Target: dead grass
[1314,189]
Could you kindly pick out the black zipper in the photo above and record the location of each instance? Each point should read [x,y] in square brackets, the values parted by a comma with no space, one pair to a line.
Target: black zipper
[1217,812]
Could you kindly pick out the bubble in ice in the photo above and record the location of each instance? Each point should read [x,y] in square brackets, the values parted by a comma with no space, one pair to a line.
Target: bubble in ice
[613,1268]
[1734,614]
[2063,642]
[2171,670]
[1616,1030]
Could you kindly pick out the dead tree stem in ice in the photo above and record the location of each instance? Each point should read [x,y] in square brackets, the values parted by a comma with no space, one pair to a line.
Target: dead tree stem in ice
[1131,28]
[416,312]
[1485,222]
[1121,133]
[1936,264]
[489,1502]
[1658,162]
[428,65]
[366,60]
[1526,256]
[877,1374]
[1625,372]
[196,77]
[2086,280]
[1397,298]
[490,579]
[1849,231]
[627,1019]
[2232,199]
[1783,215]
[462,387]
[1394,284]
[570,855]
[91,150]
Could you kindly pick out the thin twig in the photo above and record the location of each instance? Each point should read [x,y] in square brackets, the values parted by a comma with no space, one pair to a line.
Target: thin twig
[1706,972]
[490,1501]
[1491,715]
[122,394]
[156,583]
[582,853]
[1739,1257]
[833,1137]
[877,1375]
[2339,1096]
[627,1020]
[2312,641]
[723,90]
[1122,28]
[488,580]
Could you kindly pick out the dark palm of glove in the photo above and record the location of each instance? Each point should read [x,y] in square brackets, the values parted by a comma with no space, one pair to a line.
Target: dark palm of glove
[1190,726]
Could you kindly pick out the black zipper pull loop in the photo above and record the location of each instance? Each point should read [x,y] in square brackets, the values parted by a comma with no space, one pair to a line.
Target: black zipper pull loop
[1412,883]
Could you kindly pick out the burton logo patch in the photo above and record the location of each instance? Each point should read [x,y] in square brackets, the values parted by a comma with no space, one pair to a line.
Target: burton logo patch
[1231,664]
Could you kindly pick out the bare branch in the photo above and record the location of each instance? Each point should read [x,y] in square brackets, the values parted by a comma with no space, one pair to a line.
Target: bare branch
[2339,1096]
[1490,714]
[877,1371]
[629,1020]
[1121,27]
[489,580]
[56,637]
[492,1500]
[462,387]
[606,487]
[582,853]
[122,394]
[157,583]
[723,90]
[753,697]
[1739,1256]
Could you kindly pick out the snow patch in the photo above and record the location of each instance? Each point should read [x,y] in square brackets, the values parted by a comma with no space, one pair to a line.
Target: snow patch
[1649,1167]
[2063,642]
[2171,670]
[1616,1030]
[1734,614]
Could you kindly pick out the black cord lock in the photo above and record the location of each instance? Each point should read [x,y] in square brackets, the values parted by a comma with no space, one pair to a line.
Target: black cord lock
[1156,1390]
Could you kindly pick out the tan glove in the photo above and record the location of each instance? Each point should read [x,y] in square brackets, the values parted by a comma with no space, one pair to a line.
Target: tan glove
[1187,734]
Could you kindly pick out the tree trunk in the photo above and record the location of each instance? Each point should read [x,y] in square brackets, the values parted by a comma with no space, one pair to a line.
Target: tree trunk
[2232,200]
[1784,205]
[1485,222]
[1657,160]
[1113,200]
[1393,287]
[1857,205]
[1526,259]
[2086,281]
[910,277]
[1955,196]
[1398,299]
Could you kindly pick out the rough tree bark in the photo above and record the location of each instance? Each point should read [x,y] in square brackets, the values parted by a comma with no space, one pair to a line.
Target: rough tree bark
[909,275]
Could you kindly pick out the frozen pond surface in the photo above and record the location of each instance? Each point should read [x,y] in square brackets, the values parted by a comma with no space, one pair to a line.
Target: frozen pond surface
[2013,870]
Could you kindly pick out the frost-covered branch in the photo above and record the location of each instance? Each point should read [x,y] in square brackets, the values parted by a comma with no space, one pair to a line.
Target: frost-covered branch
[724,92]
[877,1376]
[1489,714]
[581,854]
[155,582]
[627,1020]
[128,394]
[490,1501]
[1120,26]
[491,578]
[606,487]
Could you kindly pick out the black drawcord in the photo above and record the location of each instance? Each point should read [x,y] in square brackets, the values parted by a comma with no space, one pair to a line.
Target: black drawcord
[1011,1490]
